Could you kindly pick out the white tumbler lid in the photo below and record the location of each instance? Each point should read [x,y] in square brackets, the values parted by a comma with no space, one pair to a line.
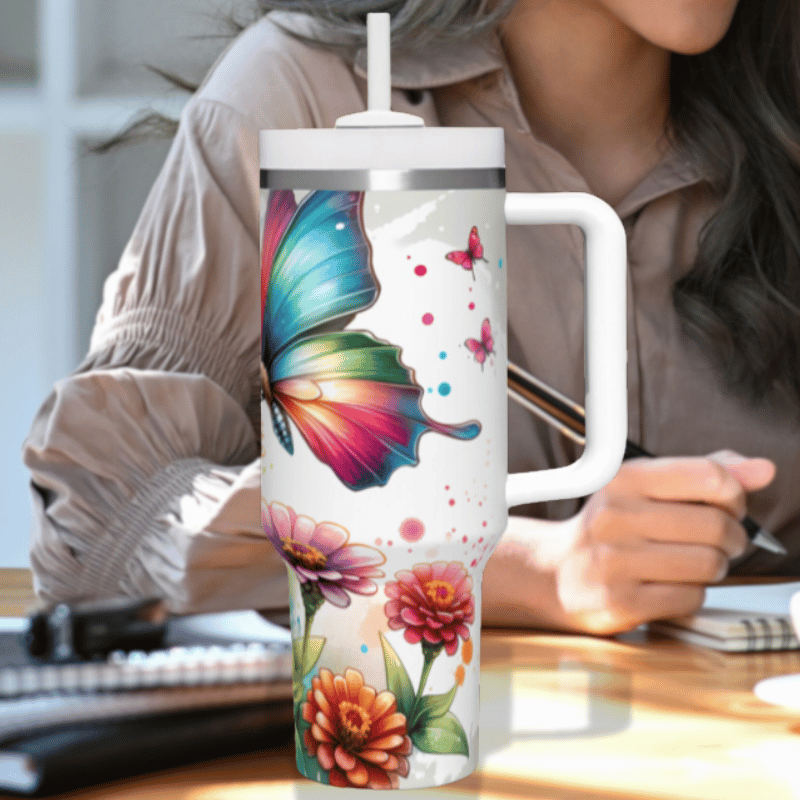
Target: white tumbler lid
[381,148]
[380,138]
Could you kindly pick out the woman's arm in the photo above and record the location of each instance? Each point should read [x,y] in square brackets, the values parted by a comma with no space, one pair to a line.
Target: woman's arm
[145,483]
[145,462]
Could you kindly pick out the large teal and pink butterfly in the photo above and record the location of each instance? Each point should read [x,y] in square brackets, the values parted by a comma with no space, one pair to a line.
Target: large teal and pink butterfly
[352,400]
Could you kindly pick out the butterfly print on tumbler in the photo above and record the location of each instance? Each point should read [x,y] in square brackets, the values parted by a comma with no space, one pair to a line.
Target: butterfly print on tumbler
[354,402]
[481,349]
[474,252]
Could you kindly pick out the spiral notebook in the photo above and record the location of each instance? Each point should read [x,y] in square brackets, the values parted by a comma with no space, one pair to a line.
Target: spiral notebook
[212,661]
[738,619]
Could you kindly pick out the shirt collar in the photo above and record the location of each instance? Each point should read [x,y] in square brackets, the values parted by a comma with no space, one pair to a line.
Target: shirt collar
[672,173]
[446,63]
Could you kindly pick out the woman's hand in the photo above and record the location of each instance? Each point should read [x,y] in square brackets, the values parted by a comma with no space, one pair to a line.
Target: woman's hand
[643,547]
[647,543]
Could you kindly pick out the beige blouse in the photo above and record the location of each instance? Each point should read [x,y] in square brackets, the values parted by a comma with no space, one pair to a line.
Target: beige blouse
[145,461]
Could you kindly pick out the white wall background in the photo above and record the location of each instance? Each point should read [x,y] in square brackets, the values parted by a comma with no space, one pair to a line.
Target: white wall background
[72,72]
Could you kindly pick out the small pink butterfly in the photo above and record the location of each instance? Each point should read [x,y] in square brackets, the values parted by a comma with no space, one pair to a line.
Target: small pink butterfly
[482,348]
[466,258]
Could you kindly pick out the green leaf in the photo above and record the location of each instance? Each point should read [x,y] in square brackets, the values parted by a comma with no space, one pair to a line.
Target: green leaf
[299,688]
[312,600]
[315,645]
[313,652]
[297,648]
[432,706]
[443,735]
[397,680]
[298,692]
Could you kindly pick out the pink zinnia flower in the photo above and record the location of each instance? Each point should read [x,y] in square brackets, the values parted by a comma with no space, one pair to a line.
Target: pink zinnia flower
[356,733]
[433,602]
[320,553]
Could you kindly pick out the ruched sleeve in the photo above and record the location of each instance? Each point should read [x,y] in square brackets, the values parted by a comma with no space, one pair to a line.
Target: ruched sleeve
[145,462]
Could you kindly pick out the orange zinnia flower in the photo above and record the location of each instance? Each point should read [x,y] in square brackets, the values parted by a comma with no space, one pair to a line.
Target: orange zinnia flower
[356,733]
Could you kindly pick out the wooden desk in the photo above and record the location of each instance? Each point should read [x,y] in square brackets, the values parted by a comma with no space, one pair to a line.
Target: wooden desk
[635,717]
[16,592]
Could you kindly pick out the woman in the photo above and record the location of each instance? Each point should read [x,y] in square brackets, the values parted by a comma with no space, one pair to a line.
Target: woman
[682,115]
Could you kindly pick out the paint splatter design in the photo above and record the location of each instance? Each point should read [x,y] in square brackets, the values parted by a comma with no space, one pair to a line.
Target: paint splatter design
[412,529]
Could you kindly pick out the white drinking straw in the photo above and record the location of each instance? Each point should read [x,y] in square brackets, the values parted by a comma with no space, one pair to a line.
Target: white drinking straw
[379,63]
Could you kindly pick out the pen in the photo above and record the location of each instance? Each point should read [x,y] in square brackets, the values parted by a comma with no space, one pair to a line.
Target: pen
[568,417]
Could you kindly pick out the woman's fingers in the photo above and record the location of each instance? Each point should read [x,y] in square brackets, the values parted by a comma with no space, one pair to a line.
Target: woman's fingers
[720,479]
[688,480]
[662,600]
[752,473]
[657,562]
[632,521]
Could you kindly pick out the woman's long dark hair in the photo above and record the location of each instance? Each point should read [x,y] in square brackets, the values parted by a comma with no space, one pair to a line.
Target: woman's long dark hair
[735,111]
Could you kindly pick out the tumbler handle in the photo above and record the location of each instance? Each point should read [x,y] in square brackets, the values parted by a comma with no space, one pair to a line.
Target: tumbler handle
[605,338]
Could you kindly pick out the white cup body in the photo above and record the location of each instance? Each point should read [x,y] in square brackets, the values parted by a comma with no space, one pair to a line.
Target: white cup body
[439,512]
